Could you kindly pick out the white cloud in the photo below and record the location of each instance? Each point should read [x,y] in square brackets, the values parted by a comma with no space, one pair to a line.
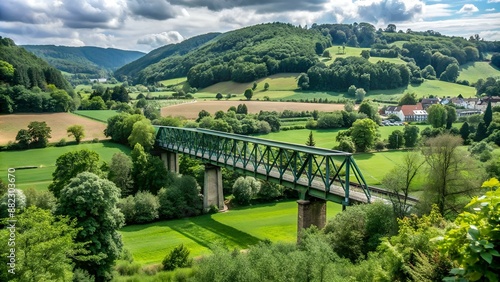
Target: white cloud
[490,10]
[493,1]
[468,9]
[160,39]
[490,34]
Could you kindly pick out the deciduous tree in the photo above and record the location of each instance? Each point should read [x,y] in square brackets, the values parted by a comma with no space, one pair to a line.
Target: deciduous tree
[437,115]
[70,164]
[120,172]
[363,134]
[142,133]
[45,247]
[91,201]
[452,177]
[248,94]
[77,131]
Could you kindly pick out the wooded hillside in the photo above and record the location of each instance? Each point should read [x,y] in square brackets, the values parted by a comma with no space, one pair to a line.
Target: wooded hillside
[88,60]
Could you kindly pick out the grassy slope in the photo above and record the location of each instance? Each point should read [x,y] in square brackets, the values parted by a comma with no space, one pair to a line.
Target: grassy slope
[239,228]
[45,160]
[472,72]
[100,115]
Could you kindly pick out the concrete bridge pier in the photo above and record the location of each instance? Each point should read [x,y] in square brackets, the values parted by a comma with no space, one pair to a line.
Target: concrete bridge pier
[311,212]
[212,188]
[171,161]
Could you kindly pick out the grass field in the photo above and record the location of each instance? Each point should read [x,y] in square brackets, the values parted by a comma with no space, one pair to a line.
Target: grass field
[356,52]
[238,228]
[472,72]
[58,122]
[191,110]
[173,81]
[45,160]
[99,115]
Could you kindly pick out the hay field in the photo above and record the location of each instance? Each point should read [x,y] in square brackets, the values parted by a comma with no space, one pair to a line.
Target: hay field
[58,122]
[191,110]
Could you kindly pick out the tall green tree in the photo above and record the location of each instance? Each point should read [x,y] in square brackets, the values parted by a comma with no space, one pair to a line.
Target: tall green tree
[465,132]
[120,172]
[40,133]
[70,164]
[410,133]
[453,177]
[248,94]
[148,172]
[363,134]
[451,116]
[396,139]
[488,114]
[409,98]
[142,133]
[437,115]
[45,245]
[310,140]
[77,131]
[91,201]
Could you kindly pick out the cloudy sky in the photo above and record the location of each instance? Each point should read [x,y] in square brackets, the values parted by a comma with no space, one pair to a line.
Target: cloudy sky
[144,25]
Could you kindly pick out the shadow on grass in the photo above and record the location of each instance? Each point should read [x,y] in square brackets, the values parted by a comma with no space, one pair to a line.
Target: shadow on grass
[206,224]
[203,230]
[110,144]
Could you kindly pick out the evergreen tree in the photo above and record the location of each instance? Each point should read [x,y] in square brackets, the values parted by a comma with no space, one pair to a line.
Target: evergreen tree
[310,140]
[488,114]
[465,131]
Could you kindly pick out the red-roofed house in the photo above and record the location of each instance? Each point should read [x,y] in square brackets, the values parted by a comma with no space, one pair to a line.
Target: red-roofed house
[413,113]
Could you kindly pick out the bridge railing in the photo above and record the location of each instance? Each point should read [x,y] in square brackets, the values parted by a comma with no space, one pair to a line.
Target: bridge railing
[315,171]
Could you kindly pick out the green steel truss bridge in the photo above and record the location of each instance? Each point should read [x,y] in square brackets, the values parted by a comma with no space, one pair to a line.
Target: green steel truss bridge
[318,173]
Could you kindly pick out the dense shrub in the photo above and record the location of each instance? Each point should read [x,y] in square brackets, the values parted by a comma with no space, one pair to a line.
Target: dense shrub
[146,207]
[178,257]
[245,189]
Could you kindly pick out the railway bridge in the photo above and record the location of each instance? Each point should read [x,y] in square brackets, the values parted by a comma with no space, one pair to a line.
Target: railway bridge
[319,175]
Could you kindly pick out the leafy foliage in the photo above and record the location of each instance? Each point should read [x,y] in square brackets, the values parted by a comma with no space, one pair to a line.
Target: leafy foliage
[69,165]
[475,240]
[91,201]
[45,245]
[245,189]
[77,131]
[178,257]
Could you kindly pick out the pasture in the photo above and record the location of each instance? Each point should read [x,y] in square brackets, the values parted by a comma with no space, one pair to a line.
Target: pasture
[58,122]
[99,115]
[236,228]
[472,72]
[339,52]
[191,110]
[45,160]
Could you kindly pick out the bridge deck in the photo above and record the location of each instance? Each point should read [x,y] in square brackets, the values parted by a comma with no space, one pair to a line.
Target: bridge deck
[316,189]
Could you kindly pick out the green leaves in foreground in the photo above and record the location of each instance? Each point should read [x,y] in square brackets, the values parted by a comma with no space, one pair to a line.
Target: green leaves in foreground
[474,243]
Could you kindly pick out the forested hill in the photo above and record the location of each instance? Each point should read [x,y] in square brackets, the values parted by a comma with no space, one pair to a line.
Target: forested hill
[179,49]
[241,55]
[24,68]
[84,60]
[254,52]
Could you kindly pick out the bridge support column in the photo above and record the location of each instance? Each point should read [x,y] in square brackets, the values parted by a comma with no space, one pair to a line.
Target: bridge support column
[311,212]
[171,161]
[212,188]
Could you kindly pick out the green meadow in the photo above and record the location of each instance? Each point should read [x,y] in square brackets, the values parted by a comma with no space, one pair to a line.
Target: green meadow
[45,160]
[236,229]
[99,115]
[474,71]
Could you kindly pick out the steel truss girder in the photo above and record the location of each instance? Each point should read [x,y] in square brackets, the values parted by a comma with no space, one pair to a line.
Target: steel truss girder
[314,172]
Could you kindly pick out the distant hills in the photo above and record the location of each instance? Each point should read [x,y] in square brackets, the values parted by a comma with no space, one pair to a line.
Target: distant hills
[171,50]
[28,70]
[95,62]
[254,52]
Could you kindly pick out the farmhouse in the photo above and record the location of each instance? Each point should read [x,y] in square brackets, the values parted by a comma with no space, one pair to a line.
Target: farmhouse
[412,113]
[427,102]
[483,102]
[392,110]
